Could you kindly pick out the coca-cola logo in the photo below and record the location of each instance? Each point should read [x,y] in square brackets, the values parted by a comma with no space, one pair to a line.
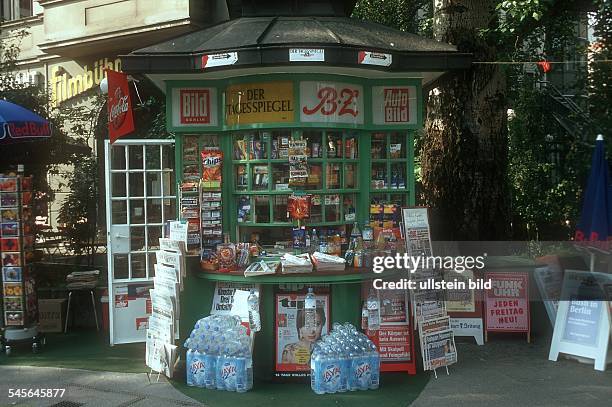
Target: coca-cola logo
[118,108]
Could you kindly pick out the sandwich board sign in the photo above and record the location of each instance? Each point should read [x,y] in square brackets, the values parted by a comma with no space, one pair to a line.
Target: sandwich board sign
[582,326]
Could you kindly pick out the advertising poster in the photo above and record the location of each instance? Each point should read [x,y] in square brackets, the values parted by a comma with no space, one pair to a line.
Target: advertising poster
[582,322]
[549,281]
[393,306]
[416,231]
[460,300]
[294,341]
[393,343]
[131,303]
[231,299]
[394,338]
[440,350]
[507,302]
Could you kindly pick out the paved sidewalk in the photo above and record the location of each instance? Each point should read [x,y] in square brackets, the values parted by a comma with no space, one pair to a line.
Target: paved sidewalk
[510,372]
[504,372]
[89,388]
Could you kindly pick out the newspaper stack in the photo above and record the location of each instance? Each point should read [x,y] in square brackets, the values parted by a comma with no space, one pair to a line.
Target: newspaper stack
[326,262]
[161,353]
[296,264]
[261,268]
[80,280]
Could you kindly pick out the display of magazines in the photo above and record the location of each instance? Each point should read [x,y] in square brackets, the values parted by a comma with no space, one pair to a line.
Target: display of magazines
[16,250]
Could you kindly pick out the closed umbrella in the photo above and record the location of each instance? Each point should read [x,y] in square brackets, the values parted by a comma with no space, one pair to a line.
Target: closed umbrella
[21,124]
[595,226]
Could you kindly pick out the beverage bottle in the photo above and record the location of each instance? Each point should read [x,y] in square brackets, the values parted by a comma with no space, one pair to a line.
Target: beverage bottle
[249,370]
[363,368]
[323,243]
[210,363]
[242,380]
[345,363]
[315,370]
[310,310]
[352,356]
[219,363]
[364,316]
[314,242]
[254,317]
[358,256]
[373,311]
[375,363]
[331,372]
[308,243]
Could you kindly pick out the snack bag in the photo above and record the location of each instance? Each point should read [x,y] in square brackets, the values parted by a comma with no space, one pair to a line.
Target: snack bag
[212,162]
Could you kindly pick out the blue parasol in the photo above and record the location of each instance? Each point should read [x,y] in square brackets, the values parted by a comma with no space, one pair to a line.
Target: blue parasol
[596,217]
[20,124]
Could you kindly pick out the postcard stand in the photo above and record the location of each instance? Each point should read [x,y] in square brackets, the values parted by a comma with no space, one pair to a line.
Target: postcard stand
[20,305]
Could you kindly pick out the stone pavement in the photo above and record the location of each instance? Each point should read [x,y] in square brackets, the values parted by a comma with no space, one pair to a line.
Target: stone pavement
[89,388]
[504,372]
[511,372]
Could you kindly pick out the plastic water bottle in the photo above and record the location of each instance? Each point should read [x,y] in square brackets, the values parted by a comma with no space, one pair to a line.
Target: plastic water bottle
[310,310]
[316,373]
[345,363]
[331,371]
[362,370]
[210,364]
[375,363]
[241,373]
[254,318]
[373,312]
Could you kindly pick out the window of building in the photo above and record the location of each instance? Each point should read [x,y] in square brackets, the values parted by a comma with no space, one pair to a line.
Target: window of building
[15,9]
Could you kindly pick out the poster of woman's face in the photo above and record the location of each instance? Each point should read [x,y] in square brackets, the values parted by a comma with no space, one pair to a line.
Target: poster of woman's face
[294,337]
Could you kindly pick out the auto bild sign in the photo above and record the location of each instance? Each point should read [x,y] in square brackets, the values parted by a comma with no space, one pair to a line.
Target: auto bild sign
[120,117]
[394,105]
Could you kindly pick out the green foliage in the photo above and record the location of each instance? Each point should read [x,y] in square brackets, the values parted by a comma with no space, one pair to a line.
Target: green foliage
[79,210]
[600,75]
[42,156]
[405,15]
[546,170]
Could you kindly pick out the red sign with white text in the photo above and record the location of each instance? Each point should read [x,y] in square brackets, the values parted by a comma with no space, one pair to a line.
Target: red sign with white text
[507,302]
[331,102]
[120,117]
[195,106]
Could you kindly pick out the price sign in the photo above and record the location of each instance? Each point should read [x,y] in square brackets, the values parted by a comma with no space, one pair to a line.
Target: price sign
[331,102]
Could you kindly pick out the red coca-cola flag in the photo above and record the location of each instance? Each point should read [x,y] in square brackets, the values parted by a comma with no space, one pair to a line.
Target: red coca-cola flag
[120,117]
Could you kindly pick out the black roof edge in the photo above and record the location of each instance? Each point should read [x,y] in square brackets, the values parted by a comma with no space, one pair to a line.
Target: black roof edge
[279,56]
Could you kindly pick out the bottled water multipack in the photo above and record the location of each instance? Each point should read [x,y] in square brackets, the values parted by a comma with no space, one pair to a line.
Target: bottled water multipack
[219,354]
[344,360]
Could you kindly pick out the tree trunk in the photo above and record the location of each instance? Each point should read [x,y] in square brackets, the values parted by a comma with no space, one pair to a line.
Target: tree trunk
[465,152]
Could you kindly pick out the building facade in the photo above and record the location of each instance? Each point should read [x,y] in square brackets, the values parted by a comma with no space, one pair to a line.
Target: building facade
[66,44]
